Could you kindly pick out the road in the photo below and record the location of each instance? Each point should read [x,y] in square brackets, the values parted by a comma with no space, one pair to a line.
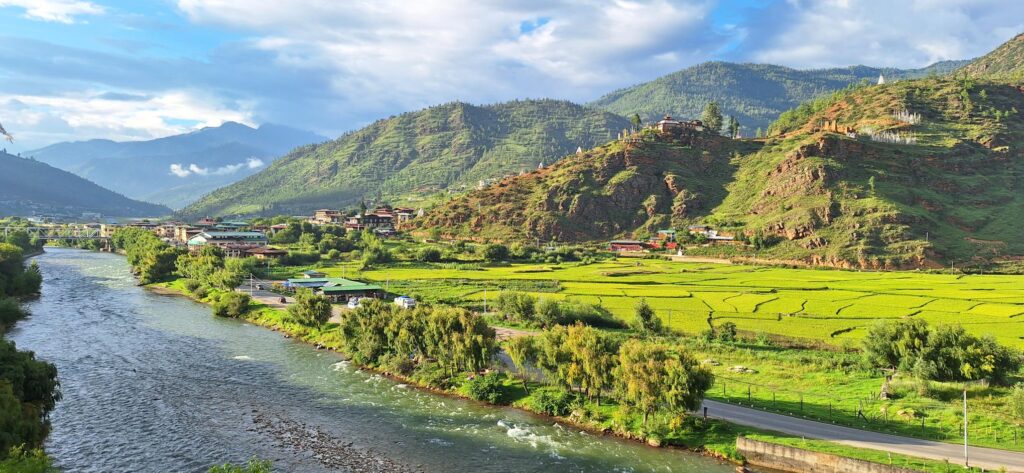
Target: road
[988,458]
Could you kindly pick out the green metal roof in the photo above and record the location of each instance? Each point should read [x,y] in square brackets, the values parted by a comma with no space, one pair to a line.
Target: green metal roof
[358,287]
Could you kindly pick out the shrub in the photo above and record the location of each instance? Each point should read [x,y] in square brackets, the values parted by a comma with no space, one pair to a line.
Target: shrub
[487,387]
[495,252]
[551,400]
[333,254]
[517,306]
[231,304]
[429,255]
[191,285]
[646,321]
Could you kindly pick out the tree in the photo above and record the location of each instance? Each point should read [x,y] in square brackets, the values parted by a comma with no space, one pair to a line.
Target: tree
[651,376]
[429,254]
[309,308]
[495,252]
[759,133]
[517,306]
[896,344]
[636,121]
[712,117]
[645,320]
[734,127]
[522,352]
[231,304]
[592,358]
[1017,403]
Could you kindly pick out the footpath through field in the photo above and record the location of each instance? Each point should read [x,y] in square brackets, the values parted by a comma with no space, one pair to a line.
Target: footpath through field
[988,458]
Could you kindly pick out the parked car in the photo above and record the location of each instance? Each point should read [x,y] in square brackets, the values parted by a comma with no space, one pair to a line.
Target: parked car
[405,302]
[354,302]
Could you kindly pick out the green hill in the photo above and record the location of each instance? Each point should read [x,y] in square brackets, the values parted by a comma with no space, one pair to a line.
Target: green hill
[448,146]
[1004,62]
[908,174]
[29,187]
[754,93]
[613,190]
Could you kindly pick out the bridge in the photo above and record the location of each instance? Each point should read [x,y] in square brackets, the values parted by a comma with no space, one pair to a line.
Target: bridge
[59,233]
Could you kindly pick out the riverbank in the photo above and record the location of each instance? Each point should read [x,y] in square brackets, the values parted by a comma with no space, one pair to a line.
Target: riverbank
[715,438]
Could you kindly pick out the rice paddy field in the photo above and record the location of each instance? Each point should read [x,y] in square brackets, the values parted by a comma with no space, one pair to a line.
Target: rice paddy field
[826,307]
[832,306]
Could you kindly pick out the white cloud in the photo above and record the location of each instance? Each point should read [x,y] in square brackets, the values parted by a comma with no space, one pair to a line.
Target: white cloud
[61,11]
[911,33]
[388,54]
[196,170]
[45,119]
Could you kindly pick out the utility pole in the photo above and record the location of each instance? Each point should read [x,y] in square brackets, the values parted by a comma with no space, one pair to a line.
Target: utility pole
[485,301]
[967,462]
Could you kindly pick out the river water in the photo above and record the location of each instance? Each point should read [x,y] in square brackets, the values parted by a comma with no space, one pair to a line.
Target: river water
[155,383]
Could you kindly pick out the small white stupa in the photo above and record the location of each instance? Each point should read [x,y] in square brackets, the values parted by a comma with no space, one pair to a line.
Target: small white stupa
[881,79]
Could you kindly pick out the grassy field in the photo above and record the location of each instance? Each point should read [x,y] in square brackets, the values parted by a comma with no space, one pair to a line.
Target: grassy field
[836,307]
[826,307]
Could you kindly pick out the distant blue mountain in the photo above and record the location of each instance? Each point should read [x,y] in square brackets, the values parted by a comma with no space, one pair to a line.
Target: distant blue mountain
[29,187]
[202,160]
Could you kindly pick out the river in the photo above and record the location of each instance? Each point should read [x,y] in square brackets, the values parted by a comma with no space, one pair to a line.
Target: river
[155,383]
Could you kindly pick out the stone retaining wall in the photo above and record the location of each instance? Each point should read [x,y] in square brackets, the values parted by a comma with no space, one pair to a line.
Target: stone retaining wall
[785,458]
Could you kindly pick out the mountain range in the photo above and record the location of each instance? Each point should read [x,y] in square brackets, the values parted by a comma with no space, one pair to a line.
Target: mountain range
[911,173]
[30,187]
[176,170]
[755,94]
[455,145]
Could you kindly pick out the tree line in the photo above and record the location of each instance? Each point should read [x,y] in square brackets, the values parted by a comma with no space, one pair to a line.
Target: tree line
[28,386]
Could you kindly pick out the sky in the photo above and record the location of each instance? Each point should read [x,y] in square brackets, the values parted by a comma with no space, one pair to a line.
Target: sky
[142,69]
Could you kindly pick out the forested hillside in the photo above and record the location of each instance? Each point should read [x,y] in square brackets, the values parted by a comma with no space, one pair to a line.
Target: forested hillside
[30,187]
[451,145]
[754,93]
[1004,62]
[911,173]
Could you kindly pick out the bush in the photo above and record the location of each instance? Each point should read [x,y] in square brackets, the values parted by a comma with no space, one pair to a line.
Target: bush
[333,254]
[429,255]
[231,304]
[191,285]
[646,321]
[487,387]
[517,306]
[495,252]
[432,374]
[551,400]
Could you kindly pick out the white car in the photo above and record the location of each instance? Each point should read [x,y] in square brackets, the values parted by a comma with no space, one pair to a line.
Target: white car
[354,302]
[405,302]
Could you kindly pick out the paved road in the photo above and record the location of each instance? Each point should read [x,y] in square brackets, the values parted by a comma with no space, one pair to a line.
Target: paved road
[988,458]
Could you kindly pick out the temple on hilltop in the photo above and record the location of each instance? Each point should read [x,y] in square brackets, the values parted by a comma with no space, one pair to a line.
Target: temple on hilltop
[669,124]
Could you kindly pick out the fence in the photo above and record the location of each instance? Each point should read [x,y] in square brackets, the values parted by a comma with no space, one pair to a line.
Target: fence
[868,412]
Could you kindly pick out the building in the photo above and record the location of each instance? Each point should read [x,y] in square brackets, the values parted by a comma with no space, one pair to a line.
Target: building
[369,221]
[336,289]
[184,233]
[234,244]
[326,217]
[266,253]
[312,274]
[107,230]
[669,124]
[627,245]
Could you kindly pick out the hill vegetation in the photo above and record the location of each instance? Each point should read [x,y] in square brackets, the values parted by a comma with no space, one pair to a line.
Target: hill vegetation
[30,187]
[756,94]
[1004,62]
[448,146]
[911,173]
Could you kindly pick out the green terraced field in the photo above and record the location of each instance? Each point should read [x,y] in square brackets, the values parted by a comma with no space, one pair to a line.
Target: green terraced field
[834,306]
